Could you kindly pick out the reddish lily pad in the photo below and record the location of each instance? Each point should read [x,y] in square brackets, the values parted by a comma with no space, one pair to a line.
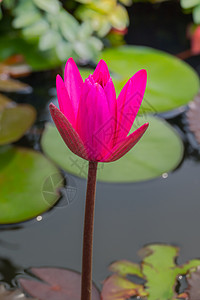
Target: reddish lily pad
[15,120]
[26,188]
[193,280]
[119,288]
[12,294]
[56,283]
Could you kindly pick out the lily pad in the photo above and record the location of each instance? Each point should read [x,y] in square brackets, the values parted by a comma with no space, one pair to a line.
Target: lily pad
[171,82]
[15,120]
[12,85]
[25,188]
[193,281]
[159,151]
[158,270]
[4,101]
[56,283]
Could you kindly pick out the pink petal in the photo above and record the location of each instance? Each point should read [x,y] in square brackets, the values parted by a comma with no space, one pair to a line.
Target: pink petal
[109,90]
[64,101]
[93,121]
[126,145]
[101,74]
[68,133]
[73,83]
[129,102]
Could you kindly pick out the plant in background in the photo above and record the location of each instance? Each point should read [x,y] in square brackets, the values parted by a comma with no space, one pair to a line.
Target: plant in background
[54,30]
[85,109]
[104,15]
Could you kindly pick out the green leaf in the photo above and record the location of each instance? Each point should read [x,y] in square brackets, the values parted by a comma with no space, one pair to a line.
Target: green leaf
[15,120]
[189,3]
[171,82]
[158,268]
[124,267]
[49,40]
[36,29]
[119,288]
[33,192]
[68,25]
[25,18]
[196,14]
[159,151]
[50,6]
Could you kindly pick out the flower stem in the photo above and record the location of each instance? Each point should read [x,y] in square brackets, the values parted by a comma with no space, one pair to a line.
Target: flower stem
[86,281]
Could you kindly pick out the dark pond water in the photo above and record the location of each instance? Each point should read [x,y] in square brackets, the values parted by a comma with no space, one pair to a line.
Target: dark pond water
[128,216]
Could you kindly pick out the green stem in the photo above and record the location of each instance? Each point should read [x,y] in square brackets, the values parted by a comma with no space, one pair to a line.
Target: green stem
[86,282]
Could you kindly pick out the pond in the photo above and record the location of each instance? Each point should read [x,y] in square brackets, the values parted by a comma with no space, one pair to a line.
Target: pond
[127,215]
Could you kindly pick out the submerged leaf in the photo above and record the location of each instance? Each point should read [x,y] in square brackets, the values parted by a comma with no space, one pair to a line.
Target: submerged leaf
[193,116]
[56,283]
[12,294]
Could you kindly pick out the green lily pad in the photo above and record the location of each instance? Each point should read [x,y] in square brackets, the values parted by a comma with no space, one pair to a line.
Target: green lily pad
[159,151]
[171,82]
[26,188]
[15,120]
[159,270]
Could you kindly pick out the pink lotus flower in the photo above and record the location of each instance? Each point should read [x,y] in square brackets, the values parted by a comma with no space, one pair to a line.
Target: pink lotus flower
[92,122]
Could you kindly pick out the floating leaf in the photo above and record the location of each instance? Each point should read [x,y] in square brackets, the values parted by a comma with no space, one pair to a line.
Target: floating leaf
[119,288]
[12,294]
[56,283]
[4,101]
[15,121]
[159,267]
[159,271]
[193,290]
[193,116]
[11,85]
[159,151]
[171,82]
[124,267]
[15,66]
[29,174]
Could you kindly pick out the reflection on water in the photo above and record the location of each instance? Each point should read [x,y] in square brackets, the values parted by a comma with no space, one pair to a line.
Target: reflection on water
[7,269]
